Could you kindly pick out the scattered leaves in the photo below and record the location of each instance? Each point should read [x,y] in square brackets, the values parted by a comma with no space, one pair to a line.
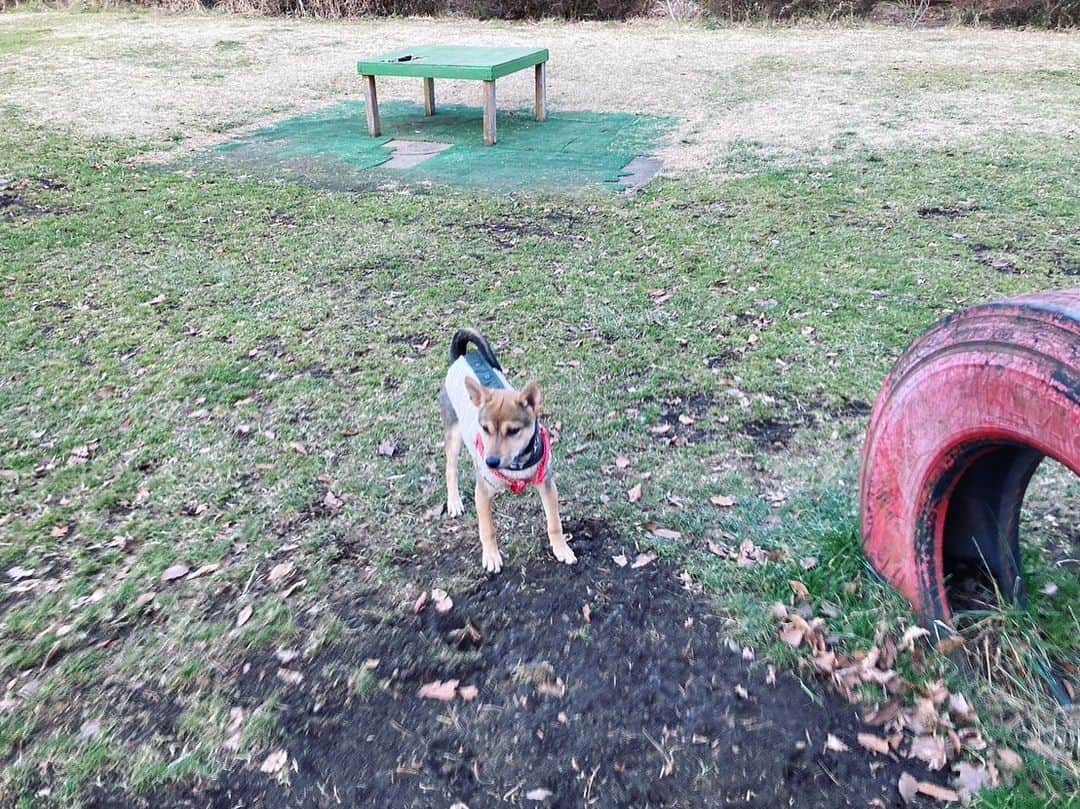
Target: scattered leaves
[634,493]
[643,559]
[244,615]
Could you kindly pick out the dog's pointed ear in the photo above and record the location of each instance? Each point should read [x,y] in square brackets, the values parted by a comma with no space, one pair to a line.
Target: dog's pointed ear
[477,392]
[531,397]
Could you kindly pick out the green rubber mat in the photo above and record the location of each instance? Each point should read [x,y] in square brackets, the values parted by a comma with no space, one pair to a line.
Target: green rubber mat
[331,149]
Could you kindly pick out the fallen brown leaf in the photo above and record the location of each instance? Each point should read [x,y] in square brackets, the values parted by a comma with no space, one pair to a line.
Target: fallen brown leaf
[792,634]
[799,589]
[912,634]
[908,787]
[620,560]
[420,603]
[243,616]
[274,762]
[290,676]
[634,493]
[174,572]
[204,570]
[388,447]
[468,692]
[281,571]
[971,779]
[332,501]
[442,691]
[722,501]
[1009,760]
[834,744]
[555,689]
[643,559]
[930,749]
[443,603]
[621,462]
[660,532]
[875,744]
[936,792]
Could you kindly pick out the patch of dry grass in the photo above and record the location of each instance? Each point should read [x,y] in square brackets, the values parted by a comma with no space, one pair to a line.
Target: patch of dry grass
[786,95]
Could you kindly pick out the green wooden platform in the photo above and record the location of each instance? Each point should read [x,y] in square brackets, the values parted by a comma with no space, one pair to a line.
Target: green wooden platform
[430,62]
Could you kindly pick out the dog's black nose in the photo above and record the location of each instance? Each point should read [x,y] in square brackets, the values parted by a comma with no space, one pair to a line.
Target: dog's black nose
[492,461]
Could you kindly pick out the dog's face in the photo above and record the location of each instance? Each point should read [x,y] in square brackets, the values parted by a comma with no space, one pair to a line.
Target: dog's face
[507,419]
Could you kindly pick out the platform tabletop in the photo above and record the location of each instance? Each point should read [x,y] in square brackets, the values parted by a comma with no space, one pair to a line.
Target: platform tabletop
[453,62]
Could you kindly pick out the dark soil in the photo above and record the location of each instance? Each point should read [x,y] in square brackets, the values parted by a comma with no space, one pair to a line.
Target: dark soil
[946,211]
[1013,264]
[650,716]
[696,406]
[771,433]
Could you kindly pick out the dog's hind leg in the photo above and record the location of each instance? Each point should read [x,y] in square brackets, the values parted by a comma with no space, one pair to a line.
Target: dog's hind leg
[452,444]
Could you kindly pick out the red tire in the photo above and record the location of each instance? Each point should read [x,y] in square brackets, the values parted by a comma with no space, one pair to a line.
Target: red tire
[956,433]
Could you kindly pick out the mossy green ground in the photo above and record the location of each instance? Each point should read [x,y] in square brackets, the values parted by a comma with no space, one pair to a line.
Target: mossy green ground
[227,350]
[332,149]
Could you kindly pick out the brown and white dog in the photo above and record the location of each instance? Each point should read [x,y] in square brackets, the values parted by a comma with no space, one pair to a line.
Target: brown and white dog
[501,429]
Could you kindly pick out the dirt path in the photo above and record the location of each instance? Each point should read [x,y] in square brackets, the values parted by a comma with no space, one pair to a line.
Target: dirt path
[745,95]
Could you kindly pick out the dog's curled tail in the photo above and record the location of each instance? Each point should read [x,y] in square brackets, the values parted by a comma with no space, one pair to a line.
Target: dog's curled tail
[459,345]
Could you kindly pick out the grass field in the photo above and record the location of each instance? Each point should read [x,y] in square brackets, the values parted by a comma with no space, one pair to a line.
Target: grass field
[201,370]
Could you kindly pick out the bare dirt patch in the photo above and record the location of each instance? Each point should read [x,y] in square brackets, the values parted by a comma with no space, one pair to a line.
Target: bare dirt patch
[599,685]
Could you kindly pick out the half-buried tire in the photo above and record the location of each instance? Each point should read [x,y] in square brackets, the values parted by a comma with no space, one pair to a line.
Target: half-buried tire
[959,427]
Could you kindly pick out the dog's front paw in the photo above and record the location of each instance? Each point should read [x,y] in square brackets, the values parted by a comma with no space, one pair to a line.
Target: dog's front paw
[454,506]
[564,553]
[492,561]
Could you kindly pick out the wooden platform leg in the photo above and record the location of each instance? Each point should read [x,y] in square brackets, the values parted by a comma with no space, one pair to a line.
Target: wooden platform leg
[429,96]
[372,107]
[489,113]
[541,91]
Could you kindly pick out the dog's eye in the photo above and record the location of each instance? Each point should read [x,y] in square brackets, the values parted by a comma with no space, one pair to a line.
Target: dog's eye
[486,429]
[512,431]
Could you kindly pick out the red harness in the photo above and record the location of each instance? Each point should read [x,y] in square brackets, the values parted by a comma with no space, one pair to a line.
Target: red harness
[517,486]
